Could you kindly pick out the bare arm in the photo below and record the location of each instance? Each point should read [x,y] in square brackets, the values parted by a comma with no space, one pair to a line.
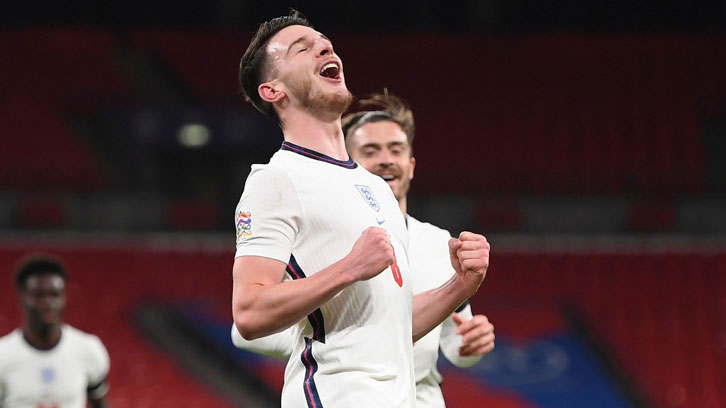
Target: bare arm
[470,258]
[262,304]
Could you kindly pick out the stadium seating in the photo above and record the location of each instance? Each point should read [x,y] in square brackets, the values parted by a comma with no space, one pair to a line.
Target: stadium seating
[40,151]
[207,63]
[105,287]
[48,76]
[549,114]
[69,68]
[658,311]
[531,114]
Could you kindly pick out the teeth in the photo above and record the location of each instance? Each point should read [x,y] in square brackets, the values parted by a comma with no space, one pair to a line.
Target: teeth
[388,177]
[328,65]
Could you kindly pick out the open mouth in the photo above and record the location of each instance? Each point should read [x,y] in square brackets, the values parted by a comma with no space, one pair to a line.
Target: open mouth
[388,177]
[330,70]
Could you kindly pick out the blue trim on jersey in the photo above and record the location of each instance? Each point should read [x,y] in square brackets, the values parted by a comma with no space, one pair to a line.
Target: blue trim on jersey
[316,321]
[316,317]
[311,367]
[348,164]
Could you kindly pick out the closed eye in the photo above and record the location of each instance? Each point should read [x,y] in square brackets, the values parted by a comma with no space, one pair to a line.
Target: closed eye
[301,50]
[369,152]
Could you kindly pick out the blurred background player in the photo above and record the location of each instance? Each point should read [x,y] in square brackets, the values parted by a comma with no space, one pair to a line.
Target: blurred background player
[381,140]
[46,363]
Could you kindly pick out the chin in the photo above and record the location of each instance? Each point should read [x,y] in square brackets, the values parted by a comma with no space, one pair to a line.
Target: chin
[339,101]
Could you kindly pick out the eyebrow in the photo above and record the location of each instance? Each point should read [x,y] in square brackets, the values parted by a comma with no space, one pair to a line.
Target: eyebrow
[301,39]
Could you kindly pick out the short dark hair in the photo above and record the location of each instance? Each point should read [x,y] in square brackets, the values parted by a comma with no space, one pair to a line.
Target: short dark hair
[385,106]
[38,265]
[253,64]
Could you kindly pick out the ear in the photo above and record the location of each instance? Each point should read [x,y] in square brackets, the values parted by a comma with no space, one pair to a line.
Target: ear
[269,92]
[413,166]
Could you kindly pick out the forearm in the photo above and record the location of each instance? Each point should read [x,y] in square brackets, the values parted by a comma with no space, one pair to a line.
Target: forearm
[263,309]
[278,345]
[430,308]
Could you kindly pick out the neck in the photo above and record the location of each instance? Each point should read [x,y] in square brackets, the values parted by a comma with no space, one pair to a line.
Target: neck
[42,336]
[324,135]
[403,205]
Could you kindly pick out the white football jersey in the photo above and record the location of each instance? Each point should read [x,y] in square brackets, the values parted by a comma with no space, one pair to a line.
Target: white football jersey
[430,268]
[55,378]
[430,264]
[308,209]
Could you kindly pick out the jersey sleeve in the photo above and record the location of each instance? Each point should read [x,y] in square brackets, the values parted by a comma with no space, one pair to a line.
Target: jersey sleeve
[6,352]
[3,390]
[97,364]
[450,341]
[278,345]
[267,218]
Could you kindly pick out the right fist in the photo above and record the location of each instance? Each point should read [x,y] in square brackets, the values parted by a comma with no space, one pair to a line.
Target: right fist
[372,253]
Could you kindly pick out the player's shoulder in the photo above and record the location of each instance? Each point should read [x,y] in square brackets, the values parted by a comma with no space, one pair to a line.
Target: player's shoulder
[426,229]
[12,350]
[80,339]
[88,349]
[274,174]
[10,340]
[278,164]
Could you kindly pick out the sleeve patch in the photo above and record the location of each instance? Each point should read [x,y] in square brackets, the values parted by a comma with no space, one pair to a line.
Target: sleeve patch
[244,225]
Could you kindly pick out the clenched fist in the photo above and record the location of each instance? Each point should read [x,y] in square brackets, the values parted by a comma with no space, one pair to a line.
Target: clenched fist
[372,253]
[470,258]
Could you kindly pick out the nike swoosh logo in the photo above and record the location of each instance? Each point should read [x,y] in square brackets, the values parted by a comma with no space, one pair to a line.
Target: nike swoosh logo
[380,222]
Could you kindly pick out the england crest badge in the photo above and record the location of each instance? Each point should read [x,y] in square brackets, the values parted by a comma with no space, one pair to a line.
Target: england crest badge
[367,194]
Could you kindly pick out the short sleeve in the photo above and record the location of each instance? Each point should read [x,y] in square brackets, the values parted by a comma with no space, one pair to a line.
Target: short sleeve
[3,391]
[97,363]
[267,217]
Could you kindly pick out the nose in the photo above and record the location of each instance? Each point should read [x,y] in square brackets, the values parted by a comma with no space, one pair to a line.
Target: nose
[385,158]
[325,48]
[49,301]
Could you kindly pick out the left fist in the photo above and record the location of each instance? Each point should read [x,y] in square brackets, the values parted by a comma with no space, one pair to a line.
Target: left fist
[470,255]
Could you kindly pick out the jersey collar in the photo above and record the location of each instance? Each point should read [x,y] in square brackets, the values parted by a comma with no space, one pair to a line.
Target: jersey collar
[348,164]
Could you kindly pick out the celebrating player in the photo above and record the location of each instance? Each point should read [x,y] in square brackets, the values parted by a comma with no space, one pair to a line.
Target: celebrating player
[321,242]
[47,363]
[381,140]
